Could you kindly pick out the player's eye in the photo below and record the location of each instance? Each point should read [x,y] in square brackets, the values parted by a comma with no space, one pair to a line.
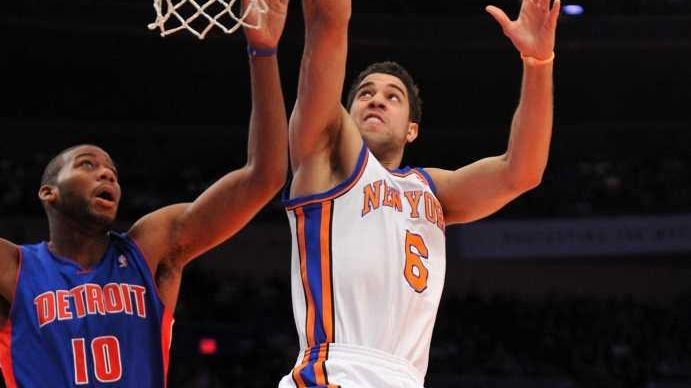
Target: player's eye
[365,94]
[86,164]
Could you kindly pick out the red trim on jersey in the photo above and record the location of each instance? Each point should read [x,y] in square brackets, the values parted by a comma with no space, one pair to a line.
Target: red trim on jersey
[6,354]
[6,332]
[166,339]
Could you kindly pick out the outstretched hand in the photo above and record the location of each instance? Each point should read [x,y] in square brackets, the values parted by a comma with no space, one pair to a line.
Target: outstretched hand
[270,23]
[532,33]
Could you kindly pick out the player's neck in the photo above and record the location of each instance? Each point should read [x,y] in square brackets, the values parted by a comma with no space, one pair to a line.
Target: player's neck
[82,246]
[390,160]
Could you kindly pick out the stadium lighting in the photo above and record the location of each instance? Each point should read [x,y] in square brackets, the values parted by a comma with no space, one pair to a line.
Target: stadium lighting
[573,9]
[208,346]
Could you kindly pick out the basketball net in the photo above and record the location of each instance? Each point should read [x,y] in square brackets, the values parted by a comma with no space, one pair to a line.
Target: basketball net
[199,17]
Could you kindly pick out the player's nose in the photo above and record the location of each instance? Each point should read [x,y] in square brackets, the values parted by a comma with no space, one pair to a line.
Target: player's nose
[106,174]
[377,101]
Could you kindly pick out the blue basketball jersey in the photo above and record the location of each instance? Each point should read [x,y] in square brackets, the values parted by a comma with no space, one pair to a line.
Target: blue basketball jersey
[71,327]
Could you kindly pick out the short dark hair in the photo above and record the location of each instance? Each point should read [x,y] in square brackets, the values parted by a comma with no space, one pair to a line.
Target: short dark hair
[398,71]
[50,173]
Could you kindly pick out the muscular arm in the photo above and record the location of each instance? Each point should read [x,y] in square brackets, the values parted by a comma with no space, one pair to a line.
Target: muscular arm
[324,141]
[9,265]
[181,232]
[481,188]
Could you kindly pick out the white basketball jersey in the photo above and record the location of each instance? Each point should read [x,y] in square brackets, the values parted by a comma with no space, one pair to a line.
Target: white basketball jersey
[368,266]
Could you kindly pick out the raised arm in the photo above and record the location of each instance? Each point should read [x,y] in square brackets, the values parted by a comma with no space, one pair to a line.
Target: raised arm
[318,119]
[178,233]
[9,265]
[481,188]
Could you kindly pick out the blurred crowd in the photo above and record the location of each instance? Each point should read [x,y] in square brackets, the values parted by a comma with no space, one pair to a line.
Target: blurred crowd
[499,340]
[587,187]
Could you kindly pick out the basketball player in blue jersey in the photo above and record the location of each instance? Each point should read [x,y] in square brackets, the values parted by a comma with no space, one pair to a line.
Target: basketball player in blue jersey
[368,258]
[92,307]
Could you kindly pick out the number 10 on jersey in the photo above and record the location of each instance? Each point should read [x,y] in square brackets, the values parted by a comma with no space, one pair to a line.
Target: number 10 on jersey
[105,353]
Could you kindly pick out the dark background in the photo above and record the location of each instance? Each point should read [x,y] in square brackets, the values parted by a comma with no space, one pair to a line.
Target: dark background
[173,114]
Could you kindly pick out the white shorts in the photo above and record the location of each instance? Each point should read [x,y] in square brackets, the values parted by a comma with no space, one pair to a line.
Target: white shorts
[351,366]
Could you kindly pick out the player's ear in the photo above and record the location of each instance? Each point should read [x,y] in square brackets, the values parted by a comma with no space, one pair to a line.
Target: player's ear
[411,134]
[48,193]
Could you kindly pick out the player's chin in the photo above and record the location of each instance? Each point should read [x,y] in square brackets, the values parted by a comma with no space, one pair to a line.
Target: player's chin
[372,126]
[105,217]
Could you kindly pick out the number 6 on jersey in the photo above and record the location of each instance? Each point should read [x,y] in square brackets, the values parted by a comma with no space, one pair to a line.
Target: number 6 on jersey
[415,271]
[105,352]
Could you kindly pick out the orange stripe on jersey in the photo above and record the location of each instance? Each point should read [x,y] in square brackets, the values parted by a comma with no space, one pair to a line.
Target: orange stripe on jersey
[319,367]
[309,300]
[311,366]
[327,294]
[296,371]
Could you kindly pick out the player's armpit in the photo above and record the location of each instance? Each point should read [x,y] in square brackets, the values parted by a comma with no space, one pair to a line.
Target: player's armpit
[322,73]
[154,235]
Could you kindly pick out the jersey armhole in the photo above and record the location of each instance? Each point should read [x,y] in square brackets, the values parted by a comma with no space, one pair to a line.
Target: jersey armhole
[428,178]
[132,244]
[340,189]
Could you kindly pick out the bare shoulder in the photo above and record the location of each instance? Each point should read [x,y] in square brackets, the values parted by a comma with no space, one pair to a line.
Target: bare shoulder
[439,177]
[154,234]
[9,265]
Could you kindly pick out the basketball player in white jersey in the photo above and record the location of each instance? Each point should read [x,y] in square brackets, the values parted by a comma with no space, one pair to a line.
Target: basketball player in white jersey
[368,256]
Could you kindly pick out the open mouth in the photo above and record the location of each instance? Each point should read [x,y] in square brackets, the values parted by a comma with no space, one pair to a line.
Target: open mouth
[106,196]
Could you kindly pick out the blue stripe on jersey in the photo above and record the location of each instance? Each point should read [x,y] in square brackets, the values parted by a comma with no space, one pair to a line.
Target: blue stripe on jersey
[429,179]
[308,373]
[313,249]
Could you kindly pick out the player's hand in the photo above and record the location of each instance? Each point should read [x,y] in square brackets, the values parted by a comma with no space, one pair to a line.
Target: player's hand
[270,23]
[533,32]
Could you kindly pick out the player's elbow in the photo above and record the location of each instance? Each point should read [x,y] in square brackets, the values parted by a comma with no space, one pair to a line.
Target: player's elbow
[328,13]
[267,184]
[526,181]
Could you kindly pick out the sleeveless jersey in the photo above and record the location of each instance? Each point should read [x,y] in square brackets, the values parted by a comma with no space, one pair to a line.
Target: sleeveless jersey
[368,266]
[71,327]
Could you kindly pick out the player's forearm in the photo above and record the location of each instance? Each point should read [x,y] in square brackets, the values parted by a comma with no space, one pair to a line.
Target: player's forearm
[531,129]
[268,134]
[326,13]
[317,109]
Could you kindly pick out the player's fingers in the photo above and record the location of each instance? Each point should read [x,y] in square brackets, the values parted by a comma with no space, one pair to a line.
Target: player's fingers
[499,16]
[554,13]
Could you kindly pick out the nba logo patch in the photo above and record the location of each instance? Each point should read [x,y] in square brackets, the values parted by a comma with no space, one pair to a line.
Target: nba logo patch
[122,261]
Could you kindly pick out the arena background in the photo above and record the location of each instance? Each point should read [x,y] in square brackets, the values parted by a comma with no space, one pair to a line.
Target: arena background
[583,282]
